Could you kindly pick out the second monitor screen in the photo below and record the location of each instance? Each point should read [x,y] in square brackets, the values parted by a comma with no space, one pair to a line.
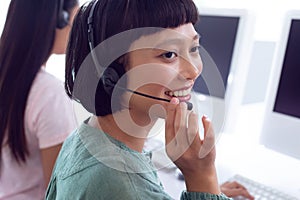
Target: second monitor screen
[288,94]
[218,38]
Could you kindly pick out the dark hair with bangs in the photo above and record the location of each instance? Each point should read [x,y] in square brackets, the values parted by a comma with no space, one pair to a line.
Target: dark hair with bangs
[111,17]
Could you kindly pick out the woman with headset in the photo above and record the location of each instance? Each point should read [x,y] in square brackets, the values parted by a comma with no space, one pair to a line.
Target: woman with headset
[35,114]
[130,63]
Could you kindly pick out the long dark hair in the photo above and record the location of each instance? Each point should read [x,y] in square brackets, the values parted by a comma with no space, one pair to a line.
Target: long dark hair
[25,45]
[110,18]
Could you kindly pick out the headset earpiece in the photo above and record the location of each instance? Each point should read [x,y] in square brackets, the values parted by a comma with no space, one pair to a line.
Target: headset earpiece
[62,16]
[111,77]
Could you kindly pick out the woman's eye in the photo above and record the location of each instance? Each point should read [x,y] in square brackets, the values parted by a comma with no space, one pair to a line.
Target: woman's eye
[169,55]
[195,49]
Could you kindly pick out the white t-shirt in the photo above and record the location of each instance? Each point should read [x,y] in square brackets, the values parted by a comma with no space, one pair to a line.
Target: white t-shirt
[49,119]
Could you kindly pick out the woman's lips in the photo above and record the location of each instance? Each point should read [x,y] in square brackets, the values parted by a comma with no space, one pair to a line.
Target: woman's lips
[181,94]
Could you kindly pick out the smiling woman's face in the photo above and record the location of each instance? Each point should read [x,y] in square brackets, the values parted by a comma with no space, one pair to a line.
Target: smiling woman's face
[164,64]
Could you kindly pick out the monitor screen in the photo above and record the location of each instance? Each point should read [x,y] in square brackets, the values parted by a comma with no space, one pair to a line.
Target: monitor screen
[225,39]
[218,37]
[288,94]
[280,131]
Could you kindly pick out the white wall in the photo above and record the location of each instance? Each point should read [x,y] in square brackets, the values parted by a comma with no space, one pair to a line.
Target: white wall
[268,13]
[3,10]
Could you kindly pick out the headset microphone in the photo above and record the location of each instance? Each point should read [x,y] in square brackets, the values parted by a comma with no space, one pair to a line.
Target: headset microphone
[111,76]
[189,104]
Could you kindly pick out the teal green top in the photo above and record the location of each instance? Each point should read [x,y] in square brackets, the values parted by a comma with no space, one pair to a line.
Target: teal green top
[93,165]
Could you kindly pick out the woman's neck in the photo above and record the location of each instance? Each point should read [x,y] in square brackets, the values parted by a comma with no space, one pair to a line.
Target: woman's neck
[121,127]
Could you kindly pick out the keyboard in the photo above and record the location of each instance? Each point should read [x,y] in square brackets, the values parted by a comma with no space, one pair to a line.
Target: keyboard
[261,191]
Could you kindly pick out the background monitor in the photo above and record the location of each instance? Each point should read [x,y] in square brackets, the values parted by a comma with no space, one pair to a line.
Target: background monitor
[221,49]
[281,127]
[226,37]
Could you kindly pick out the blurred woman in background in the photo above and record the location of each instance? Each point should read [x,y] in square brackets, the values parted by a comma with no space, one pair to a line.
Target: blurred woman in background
[35,113]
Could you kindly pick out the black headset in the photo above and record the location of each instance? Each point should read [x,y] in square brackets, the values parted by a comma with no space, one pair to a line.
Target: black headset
[90,26]
[112,73]
[62,16]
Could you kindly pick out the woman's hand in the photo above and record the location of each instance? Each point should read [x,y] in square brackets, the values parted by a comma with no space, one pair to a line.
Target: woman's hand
[193,156]
[234,189]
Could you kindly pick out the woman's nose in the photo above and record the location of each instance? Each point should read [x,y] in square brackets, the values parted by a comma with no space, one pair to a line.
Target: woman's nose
[190,68]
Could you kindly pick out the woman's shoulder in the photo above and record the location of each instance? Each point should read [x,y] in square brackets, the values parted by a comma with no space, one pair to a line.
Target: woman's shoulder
[101,174]
[45,80]
[85,154]
[46,102]
[73,158]
[45,88]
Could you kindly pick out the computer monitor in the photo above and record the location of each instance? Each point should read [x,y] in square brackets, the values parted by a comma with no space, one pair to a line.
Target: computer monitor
[219,48]
[226,37]
[281,126]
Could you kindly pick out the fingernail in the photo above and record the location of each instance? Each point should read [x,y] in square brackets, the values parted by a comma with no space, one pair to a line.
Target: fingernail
[174,101]
[206,117]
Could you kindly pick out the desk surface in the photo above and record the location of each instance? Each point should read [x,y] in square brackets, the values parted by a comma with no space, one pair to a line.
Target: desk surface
[255,162]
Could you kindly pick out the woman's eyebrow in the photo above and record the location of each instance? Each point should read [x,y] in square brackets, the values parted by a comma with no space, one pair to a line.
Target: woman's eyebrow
[196,37]
[174,41]
[168,42]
